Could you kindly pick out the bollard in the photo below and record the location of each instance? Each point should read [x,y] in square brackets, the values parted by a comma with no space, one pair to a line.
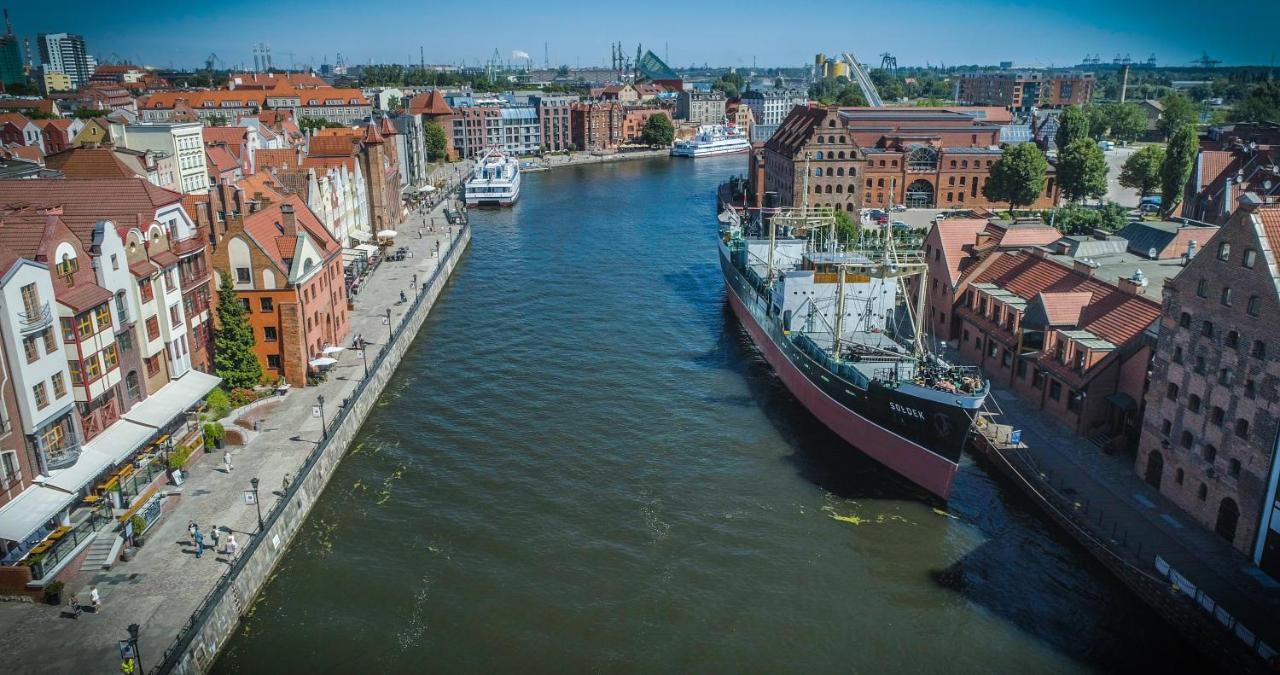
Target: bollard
[1115,524]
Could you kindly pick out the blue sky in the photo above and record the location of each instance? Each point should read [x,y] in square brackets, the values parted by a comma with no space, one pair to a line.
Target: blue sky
[724,33]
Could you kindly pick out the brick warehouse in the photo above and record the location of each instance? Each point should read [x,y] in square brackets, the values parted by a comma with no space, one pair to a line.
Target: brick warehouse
[867,157]
[1209,434]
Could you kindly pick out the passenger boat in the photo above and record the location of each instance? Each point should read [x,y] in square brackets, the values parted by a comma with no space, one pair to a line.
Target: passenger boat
[494,182]
[712,139]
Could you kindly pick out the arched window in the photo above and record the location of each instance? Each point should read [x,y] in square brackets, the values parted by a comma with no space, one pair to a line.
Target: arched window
[852,187]
[1210,453]
[1228,517]
[817,172]
[122,308]
[839,189]
[1187,440]
[840,155]
[1233,339]
[831,123]
[1184,320]
[1216,415]
[1242,428]
[1193,403]
[1155,469]
[828,190]
[853,171]
[818,155]
[1206,329]
[880,182]
[964,164]
[131,385]
[1177,477]
[821,139]
[1203,492]
[842,139]
[922,158]
[840,171]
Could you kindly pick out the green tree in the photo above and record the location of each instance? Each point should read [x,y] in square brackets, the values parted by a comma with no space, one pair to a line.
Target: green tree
[1082,170]
[1073,124]
[1261,105]
[1017,178]
[233,357]
[1176,169]
[1126,120]
[846,228]
[436,141]
[1141,171]
[308,123]
[1074,219]
[217,120]
[658,130]
[1178,112]
[1099,116]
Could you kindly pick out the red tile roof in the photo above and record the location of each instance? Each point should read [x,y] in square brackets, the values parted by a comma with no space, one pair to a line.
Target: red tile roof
[128,202]
[19,120]
[323,163]
[89,164]
[1034,235]
[1112,314]
[164,258]
[220,159]
[261,226]
[287,160]
[142,269]
[331,146]
[429,103]
[1269,215]
[1064,309]
[1213,163]
[82,297]
[956,239]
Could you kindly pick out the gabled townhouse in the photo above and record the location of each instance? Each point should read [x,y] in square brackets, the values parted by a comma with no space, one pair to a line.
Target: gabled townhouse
[288,272]
[59,133]
[1222,179]
[18,130]
[336,194]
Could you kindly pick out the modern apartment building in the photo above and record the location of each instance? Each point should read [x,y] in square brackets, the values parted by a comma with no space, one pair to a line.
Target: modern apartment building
[1024,90]
[65,53]
[184,141]
[555,120]
[700,107]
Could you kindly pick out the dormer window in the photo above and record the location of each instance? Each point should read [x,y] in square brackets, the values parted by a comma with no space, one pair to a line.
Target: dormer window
[1224,251]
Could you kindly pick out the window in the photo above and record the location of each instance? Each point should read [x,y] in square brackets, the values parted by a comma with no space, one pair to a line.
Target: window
[174,317]
[111,356]
[242,273]
[1206,329]
[1075,400]
[1254,303]
[103,316]
[1250,257]
[1178,477]
[1242,428]
[153,328]
[269,333]
[146,289]
[1227,377]
[31,301]
[1216,415]
[1172,392]
[1259,350]
[1166,427]
[92,367]
[1055,390]
[30,348]
[273,361]
[153,365]
[1187,440]
[41,395]
[1233,339]
[1203,492]
[1184,320]
[1250,389]
[131,386]
[1193,403]
[244,302]
[59,385]
[1202,288]
[1209,453]
[1233,468]
[1199,367]
[115,261]
[1177,354]
[1225,298]
[1224,251]
[125,341]
[84,325]
[992,348]
[77,377]
[67,266]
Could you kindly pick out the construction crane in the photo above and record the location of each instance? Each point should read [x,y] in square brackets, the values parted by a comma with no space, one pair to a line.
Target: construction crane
[1205,62]
[210,61]
[1151,60]
[888,61]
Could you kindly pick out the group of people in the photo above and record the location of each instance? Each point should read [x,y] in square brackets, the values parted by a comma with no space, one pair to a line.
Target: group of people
[198,539]
[95,601]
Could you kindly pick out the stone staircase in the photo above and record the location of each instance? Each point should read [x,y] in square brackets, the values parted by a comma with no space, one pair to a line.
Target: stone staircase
[102,552]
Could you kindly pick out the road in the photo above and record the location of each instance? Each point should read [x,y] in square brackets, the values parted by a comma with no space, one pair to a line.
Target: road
[1115,192]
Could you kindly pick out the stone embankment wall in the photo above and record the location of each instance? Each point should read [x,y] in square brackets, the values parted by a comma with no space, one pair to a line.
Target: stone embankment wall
[199,640]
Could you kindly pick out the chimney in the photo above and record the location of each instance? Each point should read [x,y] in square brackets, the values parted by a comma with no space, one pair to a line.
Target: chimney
[1083,267]
[290,222]
[1228,196]
[1134,285]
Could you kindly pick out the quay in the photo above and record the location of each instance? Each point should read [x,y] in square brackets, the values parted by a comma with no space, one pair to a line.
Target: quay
[186,607]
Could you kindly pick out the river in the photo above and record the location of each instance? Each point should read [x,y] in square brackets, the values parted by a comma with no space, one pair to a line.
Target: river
[583,464]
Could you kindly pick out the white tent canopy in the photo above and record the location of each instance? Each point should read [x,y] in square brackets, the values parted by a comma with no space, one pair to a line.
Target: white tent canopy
[333,349]
[323,361]
[29,510]
[173,399]
[387,234]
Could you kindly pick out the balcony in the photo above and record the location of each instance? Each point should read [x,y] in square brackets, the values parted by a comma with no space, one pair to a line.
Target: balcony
[188,245]
[60,456]
[35,320]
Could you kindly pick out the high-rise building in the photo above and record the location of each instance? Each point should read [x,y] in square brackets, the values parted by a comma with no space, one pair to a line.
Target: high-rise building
[11,70]
[65,53]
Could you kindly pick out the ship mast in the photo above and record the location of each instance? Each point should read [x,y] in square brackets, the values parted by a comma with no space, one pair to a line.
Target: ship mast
[839,326]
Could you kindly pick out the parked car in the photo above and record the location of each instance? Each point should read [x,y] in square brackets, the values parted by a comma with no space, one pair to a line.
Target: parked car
[898,208]
[1106,145]
[1149,208]
[900,226]
[1152,199]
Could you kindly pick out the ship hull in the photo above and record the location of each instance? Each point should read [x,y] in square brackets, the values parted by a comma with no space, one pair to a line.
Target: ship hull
[710,152]
[904,456]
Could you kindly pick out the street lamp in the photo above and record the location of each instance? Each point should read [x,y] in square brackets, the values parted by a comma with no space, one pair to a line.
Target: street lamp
[257,502]
[133,641]
[324,428]
[389,329]
[364,356]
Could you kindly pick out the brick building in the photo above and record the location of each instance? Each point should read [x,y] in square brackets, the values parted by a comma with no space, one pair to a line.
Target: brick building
[1024,90]
[700,107]
[288,271]
[556,121]
[1209,436]
[867,157]
[634,119]
[1223,179]
[597,125]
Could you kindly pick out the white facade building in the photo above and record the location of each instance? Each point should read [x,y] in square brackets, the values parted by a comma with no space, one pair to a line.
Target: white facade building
[183,141]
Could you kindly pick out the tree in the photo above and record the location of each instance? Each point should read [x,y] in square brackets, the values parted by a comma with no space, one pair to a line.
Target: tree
[1261,105]
[308,123]
[1126,120]
[1017,178]
[1082,170]
[1176,169]
[1074,219]
[658,130]
[1178,112]
[562,71]
[846,228]
[1073,124]
[1141,171]
[233,357]
[436,141]
[1099,120]
[217,120]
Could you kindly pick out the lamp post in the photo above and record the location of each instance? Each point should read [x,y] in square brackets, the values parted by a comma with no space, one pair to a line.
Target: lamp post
[324,428]
[389,329]
[364,356]
[133,641]
[257,502]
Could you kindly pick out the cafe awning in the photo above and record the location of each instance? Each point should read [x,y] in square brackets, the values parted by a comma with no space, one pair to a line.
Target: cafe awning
[111,447]
[29,510]
[173,399]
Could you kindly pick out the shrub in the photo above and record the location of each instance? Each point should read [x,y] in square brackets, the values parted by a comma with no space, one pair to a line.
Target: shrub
[139,524]
[179,457]
[213,432]
[218,403]
[53,592]
[242,397]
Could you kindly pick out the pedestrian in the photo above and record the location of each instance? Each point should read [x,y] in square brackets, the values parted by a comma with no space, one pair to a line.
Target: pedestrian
[95,599]
[285,483]
[191,528]
[213,533]
[226,461]
[199,543]
[75,606]
[402,298]
[231,545]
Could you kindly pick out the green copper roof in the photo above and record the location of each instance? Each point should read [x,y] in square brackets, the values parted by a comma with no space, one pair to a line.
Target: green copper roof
[652,68]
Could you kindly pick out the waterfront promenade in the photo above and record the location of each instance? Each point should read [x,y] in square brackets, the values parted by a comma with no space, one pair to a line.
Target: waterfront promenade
[1102,495]
[161,587]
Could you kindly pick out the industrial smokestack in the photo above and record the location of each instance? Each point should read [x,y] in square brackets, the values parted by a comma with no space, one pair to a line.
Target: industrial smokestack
[1124,82]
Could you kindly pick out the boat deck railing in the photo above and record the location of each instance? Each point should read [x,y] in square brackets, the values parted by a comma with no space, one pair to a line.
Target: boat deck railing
[950,379]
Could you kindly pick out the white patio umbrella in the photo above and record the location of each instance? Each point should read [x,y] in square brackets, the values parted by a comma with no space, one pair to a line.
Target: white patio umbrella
[387,234]
[323,361]
[333,349]
[427,188]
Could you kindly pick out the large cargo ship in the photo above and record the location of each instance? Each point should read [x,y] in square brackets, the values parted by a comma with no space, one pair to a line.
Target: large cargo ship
[495,181]
[837,323]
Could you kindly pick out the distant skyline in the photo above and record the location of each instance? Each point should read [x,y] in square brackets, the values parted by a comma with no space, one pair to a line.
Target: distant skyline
[578,33]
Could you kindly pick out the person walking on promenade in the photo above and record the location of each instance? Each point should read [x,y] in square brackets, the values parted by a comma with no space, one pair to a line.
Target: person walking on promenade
[231,546]
[75,606]
[213,533]
[95,599]
[199,542]
[191,529]
[226,461]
